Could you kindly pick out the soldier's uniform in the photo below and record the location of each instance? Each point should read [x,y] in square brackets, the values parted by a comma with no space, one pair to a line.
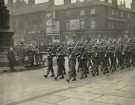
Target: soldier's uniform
[127,57]
[63,64]
[50,66]
[79,63]
[105,62]
[90,58]
[101,58]
[119,57]
[60,64]
[84,69]
[72,70]
[95,64]
[122,59]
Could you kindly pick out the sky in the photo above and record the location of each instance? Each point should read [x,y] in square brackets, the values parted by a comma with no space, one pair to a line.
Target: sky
[128,2]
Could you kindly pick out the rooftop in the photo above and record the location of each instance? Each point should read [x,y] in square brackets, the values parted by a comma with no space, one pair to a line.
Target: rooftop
[47,7]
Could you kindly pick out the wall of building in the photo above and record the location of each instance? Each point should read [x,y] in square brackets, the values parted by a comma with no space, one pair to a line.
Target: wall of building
[74,20]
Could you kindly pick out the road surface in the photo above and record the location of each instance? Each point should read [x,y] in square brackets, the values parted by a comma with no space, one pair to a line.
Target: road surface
[31,88]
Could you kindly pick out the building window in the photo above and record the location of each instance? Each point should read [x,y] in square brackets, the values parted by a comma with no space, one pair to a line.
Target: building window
[82,12]
[82,0]
[75,24]
[92,24]
[113,12]
[82,24]
[67,13]
[122,14]
[52,26]
[129,16]
[49,22]
[67,26]
[48,15]
[110,1]
[73,1]
[113,26]
[92,11]
[109,25]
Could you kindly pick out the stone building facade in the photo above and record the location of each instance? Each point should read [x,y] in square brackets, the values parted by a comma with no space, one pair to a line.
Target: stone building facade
[73,20]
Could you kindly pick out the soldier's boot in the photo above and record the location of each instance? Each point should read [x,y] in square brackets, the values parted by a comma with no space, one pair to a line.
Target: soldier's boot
[93,73]
[62,77]
[104,71]
[78,70]
[45,76]
[97,73]
[74,78]
[82,76]
[56,77]
[64,72]
[86,76]
[68,80]
[52,72]
[52,75]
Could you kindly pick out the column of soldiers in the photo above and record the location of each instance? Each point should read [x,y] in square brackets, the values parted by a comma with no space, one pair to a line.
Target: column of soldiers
[94,58]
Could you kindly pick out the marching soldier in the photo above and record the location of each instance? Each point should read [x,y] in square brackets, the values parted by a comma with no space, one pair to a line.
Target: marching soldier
[84,69]
[106,62]
[63,64]
[123,60]
[127,57]
[60,64]
[72,70]
[50,66]
[79,63]
[95,63]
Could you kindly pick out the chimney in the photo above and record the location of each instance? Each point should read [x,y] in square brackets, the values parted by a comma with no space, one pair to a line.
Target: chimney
[115,3]
[66,2]
[31,2]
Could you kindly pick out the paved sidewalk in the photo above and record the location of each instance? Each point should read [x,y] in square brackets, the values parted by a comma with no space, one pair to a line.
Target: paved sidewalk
[30,88]
[7,68]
